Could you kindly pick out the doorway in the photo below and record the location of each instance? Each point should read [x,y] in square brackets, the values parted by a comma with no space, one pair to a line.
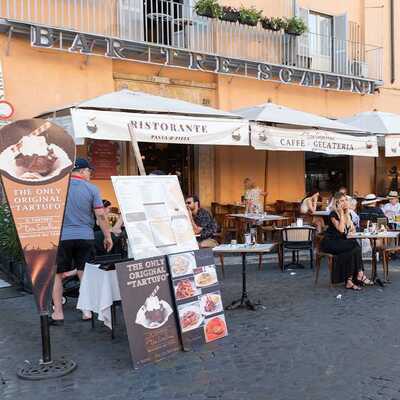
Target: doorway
[174,159]
[326,172]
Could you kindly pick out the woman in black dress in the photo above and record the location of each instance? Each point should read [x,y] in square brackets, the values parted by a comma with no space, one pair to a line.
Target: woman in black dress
[348,264]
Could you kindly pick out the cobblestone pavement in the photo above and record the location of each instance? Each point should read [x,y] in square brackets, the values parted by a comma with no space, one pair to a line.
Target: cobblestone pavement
[304,343]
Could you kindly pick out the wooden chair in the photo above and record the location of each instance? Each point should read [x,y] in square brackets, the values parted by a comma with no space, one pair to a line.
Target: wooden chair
[279,252]
[386,253]
[319,255]
[230,227]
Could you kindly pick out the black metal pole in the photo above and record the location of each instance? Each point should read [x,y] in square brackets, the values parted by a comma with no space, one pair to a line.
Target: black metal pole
[46,348]
[244,291]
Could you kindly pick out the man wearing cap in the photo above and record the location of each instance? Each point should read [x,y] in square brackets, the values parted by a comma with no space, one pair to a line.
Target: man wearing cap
[392,208]
[77,236]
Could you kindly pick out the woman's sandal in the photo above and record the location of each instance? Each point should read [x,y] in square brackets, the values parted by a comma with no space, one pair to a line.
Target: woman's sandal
[353,287]
[365,281]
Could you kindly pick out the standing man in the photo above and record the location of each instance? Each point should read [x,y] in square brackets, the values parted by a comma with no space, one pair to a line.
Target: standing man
[77,236]
[203,223]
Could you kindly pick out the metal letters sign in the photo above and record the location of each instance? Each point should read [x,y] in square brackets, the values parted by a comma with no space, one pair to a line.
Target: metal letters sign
[151,53]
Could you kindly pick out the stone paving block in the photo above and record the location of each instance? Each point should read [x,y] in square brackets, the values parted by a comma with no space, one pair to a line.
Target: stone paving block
[302,344]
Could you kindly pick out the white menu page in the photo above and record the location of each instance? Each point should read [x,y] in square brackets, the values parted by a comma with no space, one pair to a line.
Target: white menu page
[155,215]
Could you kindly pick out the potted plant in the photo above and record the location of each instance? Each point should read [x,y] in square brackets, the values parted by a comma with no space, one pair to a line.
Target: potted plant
[10,249]
[229,14]
[295,26]
[208,8]
[249,16]
[273,23]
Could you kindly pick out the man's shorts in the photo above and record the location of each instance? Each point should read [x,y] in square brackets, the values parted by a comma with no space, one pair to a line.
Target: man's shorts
[73,254]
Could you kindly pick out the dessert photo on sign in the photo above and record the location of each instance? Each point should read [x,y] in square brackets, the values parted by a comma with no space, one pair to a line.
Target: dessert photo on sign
[154,313]
[185,288]
[190,316]
[215,328]
[182,264]
[205,276]
[40,154]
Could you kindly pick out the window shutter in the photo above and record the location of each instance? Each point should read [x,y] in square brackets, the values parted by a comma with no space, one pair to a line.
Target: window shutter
[304,40]
[340,33]
[131,21]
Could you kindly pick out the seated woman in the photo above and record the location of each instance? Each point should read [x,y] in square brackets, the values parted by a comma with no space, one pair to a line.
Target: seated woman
[309,206]
[253,196]
[348,265]
[353,213]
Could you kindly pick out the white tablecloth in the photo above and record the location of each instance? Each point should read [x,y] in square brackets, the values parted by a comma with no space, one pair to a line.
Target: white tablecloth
[98,290]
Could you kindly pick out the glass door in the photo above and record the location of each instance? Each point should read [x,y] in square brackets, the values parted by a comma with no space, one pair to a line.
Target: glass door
[321,41]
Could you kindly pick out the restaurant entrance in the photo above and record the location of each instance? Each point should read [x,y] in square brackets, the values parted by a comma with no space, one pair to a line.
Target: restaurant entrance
[326,172]
[174,159]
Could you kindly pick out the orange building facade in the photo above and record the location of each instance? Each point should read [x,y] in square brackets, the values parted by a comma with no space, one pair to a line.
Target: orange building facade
[356,40]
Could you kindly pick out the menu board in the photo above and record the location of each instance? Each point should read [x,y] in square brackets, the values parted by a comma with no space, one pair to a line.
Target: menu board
[197,297]
[104,157]
[148,309]
[155,215]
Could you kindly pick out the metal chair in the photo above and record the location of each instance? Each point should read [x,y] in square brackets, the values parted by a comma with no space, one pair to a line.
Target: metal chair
[296,239]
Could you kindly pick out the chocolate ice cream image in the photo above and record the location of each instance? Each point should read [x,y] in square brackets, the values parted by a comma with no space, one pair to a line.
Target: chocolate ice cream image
[34,157]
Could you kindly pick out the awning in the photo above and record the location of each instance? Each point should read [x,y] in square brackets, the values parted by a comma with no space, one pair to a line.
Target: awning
[159,128]
[264,137]
[392,145]
[384,124]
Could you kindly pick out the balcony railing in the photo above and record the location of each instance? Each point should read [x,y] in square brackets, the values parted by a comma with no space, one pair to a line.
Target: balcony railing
[175,24]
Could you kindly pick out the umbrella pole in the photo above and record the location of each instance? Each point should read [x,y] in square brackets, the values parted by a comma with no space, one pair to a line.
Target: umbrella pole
[136,150]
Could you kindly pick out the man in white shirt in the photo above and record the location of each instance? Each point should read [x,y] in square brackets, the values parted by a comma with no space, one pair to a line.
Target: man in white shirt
[392,208]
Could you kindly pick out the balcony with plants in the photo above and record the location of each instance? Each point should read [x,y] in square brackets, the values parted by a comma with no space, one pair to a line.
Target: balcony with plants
[274,35]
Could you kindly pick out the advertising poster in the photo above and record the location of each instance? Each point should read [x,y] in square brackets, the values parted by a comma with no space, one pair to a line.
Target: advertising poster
[197,297]
[148,309]
[36,158]
[104,157]
[155,215]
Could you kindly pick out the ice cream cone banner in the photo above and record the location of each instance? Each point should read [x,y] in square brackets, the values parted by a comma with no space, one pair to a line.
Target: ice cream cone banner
[36,158]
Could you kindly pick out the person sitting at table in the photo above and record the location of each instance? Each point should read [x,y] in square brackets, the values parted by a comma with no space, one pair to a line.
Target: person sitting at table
[309,206]
[203,223]
[115,230]
[342,189]
[392,208]
[253,196]
[353,213]
[348,264]
[370,210]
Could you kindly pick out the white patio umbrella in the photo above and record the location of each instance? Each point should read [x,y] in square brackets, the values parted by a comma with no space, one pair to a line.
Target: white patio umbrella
[274,127]
[385,125]
[377,122]
[277,114]
[156,119]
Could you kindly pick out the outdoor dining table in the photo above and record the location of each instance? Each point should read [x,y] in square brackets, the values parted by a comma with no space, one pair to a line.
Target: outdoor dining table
[258,218]
[244,249]
[98,293]
[373,237]
[321,213]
